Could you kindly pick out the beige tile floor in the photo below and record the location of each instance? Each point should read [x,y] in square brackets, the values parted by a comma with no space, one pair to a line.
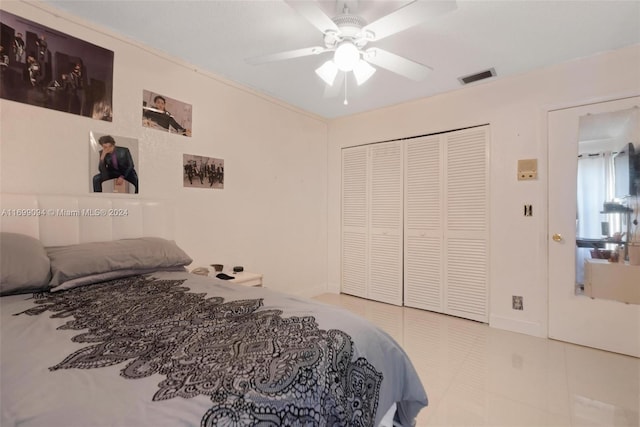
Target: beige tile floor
[480,376]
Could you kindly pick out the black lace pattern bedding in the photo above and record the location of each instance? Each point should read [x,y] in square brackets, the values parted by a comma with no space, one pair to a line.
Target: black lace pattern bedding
[175,349]
[256,366]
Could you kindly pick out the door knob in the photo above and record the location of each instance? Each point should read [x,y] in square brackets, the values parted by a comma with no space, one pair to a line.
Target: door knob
[557,237]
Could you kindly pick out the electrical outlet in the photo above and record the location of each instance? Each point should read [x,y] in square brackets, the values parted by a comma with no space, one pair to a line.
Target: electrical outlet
[517,302]
[528,210]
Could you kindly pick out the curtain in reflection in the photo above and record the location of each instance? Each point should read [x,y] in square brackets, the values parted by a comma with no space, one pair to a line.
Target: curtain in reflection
[595,186]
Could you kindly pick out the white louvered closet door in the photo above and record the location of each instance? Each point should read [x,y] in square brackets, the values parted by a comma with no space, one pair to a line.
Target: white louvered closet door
[386,218]
[466,246]
[355,206]
[415,222]
[423,224]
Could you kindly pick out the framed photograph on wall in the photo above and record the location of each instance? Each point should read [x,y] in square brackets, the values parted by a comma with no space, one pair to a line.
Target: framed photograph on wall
[202,172]
[166,114]
[47,68]
[112,164]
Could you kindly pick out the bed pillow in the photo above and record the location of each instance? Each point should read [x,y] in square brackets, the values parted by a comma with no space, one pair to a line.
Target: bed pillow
[24,265]
[97,258]
[110,275]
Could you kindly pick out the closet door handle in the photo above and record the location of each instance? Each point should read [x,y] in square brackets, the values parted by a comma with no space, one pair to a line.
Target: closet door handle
[557,237]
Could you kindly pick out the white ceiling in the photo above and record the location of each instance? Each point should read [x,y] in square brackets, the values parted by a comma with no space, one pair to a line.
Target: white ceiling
[511,36]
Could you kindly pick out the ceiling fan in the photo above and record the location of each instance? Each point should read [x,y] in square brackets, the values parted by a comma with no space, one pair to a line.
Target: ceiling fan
[348,36]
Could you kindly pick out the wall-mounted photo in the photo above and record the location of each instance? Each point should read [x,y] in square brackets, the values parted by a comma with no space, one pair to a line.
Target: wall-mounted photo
[112,163]
[166,114]
[202,172]
[44,67]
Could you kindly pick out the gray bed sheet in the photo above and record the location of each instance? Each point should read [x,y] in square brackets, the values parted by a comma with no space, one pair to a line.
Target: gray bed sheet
[145,352]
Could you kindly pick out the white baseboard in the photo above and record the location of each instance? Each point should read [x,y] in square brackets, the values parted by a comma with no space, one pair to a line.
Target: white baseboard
[310,291]
[333,288]
[516,325]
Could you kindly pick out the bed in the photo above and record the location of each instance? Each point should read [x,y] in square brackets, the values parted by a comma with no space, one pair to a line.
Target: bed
[121,334]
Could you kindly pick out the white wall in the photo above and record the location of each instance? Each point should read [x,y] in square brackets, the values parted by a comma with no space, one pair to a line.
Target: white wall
[271,214]
[516,108]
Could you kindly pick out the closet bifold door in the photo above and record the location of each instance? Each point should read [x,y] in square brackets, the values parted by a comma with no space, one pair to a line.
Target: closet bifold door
[423,224]
[385,223]
[355,219]
[466,225]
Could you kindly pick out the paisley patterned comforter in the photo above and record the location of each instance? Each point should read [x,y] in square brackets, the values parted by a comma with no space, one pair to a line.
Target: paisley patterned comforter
[173,349]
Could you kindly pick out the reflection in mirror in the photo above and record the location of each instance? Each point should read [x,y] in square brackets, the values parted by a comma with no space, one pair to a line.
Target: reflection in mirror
[607,190]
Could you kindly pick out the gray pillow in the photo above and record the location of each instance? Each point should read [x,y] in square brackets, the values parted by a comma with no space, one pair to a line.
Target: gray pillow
[110,275]
[24,265]
[94,259]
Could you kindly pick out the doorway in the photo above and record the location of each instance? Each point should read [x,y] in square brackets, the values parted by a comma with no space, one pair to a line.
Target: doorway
[574,314]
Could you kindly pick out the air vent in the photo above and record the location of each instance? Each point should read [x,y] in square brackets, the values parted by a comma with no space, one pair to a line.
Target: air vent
[478,76]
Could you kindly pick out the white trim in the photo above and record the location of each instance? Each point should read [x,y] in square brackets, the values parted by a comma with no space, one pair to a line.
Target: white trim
[596,100]
[310,291]
[520,326]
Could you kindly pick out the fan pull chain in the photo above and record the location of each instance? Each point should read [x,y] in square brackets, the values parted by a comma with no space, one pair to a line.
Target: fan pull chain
[346,102]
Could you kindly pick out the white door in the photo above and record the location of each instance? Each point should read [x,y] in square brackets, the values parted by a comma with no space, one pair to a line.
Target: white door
[446,223]
[423,229]
[385,220]
[574,317]
[466,223]
[372,222]
[355,208]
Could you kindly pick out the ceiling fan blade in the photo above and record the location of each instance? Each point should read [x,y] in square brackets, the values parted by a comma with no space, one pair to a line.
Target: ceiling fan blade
[408,16]
[289,54]
[338,86]
[312,12]
[397,64]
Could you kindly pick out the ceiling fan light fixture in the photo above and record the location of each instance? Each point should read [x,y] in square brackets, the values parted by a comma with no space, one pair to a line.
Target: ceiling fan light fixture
[328,72]
[363,71]
[346,56]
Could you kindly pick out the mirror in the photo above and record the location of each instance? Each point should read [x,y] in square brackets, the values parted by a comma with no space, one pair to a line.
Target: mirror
[608,147]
